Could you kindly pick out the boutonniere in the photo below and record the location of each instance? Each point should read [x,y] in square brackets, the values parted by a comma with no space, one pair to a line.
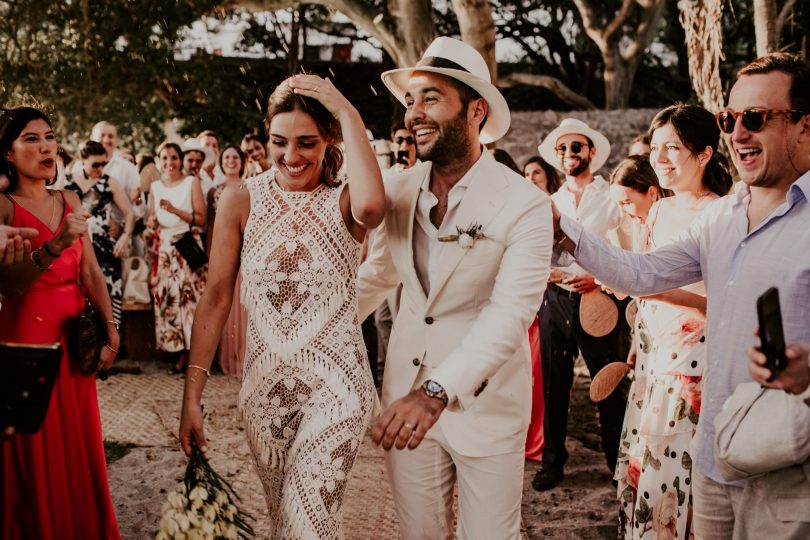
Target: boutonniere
[466,237]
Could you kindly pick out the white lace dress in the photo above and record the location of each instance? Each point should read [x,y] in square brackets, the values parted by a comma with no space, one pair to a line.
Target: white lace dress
[307,393]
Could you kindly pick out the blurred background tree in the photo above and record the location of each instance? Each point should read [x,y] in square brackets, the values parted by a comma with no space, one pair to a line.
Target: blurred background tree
[142,65]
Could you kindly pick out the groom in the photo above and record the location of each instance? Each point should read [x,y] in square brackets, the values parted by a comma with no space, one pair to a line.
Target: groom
[470,241]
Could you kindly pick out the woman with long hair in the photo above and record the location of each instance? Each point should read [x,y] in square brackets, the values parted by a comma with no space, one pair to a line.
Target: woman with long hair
[232,341]
[635,188]
[176,206]
[53,483]
[540,173]
[654,465]
[537,171]
[307,392]
[254,147]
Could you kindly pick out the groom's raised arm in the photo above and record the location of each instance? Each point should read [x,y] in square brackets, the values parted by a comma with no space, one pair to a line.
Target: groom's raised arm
[501,327]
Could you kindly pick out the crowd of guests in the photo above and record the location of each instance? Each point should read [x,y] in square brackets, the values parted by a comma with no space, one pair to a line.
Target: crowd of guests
[289,227]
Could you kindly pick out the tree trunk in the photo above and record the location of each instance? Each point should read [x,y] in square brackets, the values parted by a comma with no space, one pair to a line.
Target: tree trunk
[621,51]
[765,26]
[618,81]
[415,30]
[478,30]
[404,38]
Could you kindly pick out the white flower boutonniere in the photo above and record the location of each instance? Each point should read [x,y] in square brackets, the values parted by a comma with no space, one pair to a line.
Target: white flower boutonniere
[466,237]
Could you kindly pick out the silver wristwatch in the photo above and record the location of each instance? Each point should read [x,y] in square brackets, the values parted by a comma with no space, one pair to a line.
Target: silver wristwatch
[433,389]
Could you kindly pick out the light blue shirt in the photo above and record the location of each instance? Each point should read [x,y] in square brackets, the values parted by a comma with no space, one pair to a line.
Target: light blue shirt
[737,267]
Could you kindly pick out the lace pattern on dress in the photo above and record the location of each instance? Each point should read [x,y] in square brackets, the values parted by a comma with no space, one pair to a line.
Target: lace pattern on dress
[307,393]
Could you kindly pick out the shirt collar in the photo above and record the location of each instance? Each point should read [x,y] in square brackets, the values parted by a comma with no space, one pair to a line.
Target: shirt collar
[465,180]
[798,190]
[597,184]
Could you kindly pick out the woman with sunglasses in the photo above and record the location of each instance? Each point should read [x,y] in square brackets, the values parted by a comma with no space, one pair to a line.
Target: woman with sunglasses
[654,465]
[98,194]
[53,483]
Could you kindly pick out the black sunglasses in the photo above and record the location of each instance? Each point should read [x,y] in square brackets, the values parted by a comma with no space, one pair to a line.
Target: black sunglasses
[400,140]
[576,147]
[753,119]
[99,165]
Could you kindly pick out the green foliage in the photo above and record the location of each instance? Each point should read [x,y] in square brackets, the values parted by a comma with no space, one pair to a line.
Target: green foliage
[92,60]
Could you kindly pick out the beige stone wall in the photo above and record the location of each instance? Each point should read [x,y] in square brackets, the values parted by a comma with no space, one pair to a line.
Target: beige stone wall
[620,127]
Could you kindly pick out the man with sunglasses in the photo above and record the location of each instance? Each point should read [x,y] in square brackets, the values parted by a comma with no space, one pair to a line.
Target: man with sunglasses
[403,147]
[740,246]
[578,151]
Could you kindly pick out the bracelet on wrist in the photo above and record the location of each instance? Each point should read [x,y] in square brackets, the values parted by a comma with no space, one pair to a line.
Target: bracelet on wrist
[36,258]
[107,345]
[115,324]
[207,372]
[49,251]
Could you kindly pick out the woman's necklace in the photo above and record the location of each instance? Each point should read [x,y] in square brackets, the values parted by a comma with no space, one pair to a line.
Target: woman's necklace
[53,208]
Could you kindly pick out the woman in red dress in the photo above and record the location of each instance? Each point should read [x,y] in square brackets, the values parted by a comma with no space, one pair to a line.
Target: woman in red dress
[53,483]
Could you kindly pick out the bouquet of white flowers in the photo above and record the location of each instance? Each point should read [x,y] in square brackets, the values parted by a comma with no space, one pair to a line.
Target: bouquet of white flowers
[203,506]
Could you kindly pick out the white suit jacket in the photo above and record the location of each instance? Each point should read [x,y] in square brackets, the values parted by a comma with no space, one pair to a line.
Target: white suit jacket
[472,327]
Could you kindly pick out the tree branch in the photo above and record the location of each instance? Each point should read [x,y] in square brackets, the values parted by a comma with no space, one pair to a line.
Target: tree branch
[586,11]
[552,84]
[786,10]
[645,33]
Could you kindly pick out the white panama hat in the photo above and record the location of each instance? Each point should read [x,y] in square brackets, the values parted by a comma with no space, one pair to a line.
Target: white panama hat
[454,58]
[194,145]
[568,126]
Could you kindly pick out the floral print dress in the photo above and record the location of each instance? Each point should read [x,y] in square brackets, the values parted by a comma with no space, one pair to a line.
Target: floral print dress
[177,287]
[654,464]
[98,202]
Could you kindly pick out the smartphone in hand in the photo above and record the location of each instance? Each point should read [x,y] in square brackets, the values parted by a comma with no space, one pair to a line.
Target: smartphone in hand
[771,334]
[402,157]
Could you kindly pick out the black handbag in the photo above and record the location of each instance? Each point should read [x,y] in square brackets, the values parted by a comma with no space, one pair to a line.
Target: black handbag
[190,250]
[86,337]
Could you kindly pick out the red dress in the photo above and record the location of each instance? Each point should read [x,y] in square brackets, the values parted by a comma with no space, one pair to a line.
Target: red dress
[54,482]
[534,438]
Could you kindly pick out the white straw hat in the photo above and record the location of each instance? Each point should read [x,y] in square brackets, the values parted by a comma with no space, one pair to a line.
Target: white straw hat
[548,150]
[454,58]
[193,145]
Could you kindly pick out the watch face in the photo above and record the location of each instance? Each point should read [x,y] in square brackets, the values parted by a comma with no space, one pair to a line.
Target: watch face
[433,386]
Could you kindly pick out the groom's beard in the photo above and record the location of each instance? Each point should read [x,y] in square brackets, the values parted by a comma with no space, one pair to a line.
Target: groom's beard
[451,143]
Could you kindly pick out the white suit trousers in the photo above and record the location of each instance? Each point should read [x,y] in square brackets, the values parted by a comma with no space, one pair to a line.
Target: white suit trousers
[490,489]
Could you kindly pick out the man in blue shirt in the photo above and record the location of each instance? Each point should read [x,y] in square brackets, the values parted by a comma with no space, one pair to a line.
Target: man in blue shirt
[741,245]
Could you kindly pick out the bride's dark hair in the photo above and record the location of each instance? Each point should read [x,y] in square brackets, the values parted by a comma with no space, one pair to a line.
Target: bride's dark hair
[283,100]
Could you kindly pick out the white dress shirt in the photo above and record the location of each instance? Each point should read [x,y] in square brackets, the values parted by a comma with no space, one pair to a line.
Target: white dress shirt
[426,245]
[597,212]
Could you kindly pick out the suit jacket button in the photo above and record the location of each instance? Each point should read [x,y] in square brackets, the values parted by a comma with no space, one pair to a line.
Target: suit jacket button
[429,320]
[416,361]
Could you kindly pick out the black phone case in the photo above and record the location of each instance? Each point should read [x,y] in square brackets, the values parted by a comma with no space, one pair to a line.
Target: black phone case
[29,373]
[769,314]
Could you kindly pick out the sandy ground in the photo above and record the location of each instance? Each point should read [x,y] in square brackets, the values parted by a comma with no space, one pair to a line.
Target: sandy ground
[140,415]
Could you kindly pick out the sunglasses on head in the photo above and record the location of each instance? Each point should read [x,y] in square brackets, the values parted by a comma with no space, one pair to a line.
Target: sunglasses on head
[576,147]
[99,165]
[753,119]
[400,140]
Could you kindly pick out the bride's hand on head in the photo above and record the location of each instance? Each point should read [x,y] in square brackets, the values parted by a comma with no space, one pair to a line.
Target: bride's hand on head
[323,90]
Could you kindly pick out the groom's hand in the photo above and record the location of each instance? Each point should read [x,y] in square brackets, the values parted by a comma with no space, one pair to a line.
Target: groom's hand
[407,419]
